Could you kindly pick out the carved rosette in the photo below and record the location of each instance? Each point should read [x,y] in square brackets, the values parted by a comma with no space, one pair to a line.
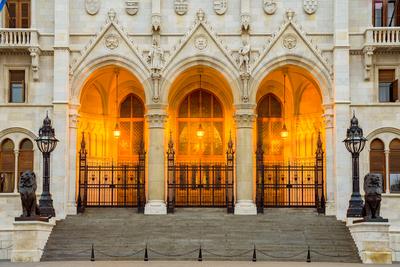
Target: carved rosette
[156,120]
[245,120]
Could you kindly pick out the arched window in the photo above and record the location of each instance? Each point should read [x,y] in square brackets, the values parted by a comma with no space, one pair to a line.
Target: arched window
[25,157]
[377,159]
[269,126]
[200,111]
[394,165]
[132,126]
[7,166]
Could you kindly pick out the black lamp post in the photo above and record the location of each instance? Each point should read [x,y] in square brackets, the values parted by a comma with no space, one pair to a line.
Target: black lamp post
[355,142]
[46,143]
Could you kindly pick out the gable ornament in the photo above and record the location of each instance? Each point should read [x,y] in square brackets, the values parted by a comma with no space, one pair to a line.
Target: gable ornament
[270,6]
[220,6]
[310,6]
[181,7]
[112,41]
[92,6]
[132,7]
[289,41]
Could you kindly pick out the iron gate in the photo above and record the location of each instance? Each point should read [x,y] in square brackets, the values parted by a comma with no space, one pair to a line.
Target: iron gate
[103,184]
[291,185]
[200,184]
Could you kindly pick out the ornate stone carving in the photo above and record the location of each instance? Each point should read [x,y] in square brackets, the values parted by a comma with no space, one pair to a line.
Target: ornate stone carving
[181,7]
[156,22]
[373,188]
[270,6]
[289,41]
[73,120]
[310,6]
[34,53]
[156,77]
[245,22]
[201,42]
[328,120]
[112,15]
[220,6]
[245,77]
[92,6]
[290,14]
[244,57]
[156,120]
[155,57]
[27,191]
[368,53]
[244,120]
[200,15]
[131,7]
[111,41]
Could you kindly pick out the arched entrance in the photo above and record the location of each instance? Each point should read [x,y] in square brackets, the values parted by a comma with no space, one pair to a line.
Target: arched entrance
[200,158]
[289,133]
[111,137]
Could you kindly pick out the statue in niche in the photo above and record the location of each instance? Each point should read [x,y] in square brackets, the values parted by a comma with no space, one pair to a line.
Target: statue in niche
[156,57]
[373,188]
[27,190]
[244,57]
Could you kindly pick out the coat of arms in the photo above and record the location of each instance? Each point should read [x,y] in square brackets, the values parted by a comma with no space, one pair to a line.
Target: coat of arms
[131,7]
[220,6]
[310,6]
[181,7]
[270,6]
[92,6]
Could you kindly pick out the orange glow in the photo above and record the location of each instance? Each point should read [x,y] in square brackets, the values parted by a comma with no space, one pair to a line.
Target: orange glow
[117,132]
[200,132]
[284,132]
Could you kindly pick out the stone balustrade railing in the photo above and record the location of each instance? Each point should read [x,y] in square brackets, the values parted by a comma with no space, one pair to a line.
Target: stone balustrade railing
[383,36]
[18,38]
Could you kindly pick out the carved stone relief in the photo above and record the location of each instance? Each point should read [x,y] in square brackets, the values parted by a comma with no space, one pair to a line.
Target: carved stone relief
[270,6]
[112,41]
[92,6]
[132,7]
[310,6]
[181,7]
[200,42]
[289,41]
[220,6]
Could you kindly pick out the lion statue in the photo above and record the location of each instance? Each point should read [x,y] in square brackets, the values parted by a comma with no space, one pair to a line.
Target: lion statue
[373,188]
[27,190]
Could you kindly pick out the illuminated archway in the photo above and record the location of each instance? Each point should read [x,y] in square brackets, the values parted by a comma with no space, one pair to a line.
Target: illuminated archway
[299,95]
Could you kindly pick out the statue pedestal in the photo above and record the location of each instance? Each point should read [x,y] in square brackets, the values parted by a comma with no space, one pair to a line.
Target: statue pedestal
[372,240]
[29,239]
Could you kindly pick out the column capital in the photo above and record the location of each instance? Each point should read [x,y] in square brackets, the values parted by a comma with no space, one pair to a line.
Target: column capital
[156,120]
[245,118]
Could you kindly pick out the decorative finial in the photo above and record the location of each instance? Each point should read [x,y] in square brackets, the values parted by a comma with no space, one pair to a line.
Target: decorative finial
[200,15]
[290,14]
[112,14]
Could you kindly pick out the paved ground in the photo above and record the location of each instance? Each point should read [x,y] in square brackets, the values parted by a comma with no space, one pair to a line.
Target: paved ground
[279,235]
[183,264]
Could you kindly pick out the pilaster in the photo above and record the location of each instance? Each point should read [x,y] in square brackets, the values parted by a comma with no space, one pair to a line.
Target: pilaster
[244,119]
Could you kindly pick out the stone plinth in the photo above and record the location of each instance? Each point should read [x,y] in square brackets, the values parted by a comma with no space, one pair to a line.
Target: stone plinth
[29,240]
[372,240]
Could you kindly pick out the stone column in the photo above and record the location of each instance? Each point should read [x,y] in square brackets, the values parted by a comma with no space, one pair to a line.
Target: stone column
[73,128]
[341,65]
[156,118]
[59,173]
[387,172]
[16,156]
[245,119]
[330,178]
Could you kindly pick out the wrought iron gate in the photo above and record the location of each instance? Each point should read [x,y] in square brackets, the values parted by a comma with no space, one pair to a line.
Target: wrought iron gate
[108,185]
[200,184]
[291,185]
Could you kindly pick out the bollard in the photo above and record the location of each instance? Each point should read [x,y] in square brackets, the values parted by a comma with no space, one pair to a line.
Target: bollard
[254,254]
[92,254]
[200,257]
[308,254]
[146,255]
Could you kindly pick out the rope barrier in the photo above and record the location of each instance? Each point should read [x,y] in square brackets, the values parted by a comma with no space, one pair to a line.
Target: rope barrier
[281,257]
[228,256]
[172,255]
[119,256]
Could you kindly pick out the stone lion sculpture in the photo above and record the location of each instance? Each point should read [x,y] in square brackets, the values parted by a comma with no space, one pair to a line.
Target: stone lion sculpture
[27,190]
[373,188]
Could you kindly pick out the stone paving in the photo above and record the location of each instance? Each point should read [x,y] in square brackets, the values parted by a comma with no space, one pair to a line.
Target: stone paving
[278,234]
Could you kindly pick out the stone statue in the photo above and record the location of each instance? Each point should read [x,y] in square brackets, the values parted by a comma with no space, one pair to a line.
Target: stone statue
[373,188]
[244,57]
[156,57]
[27,190]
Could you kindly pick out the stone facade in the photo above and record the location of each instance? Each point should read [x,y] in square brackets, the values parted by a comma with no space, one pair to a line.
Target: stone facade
[70,40]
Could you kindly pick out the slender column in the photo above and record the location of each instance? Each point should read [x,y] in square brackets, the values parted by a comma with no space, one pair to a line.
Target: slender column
[341,65]
[156,118]
[330,177]
[73,128]
[16,156]
[245,205]
[387,171]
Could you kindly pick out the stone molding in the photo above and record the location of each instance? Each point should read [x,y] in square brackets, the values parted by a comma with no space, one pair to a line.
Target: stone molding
[245,120]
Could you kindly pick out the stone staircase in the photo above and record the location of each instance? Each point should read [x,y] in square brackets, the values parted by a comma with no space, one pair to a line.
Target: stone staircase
[278,234]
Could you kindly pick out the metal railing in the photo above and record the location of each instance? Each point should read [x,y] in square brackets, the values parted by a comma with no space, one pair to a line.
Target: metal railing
[18,38]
